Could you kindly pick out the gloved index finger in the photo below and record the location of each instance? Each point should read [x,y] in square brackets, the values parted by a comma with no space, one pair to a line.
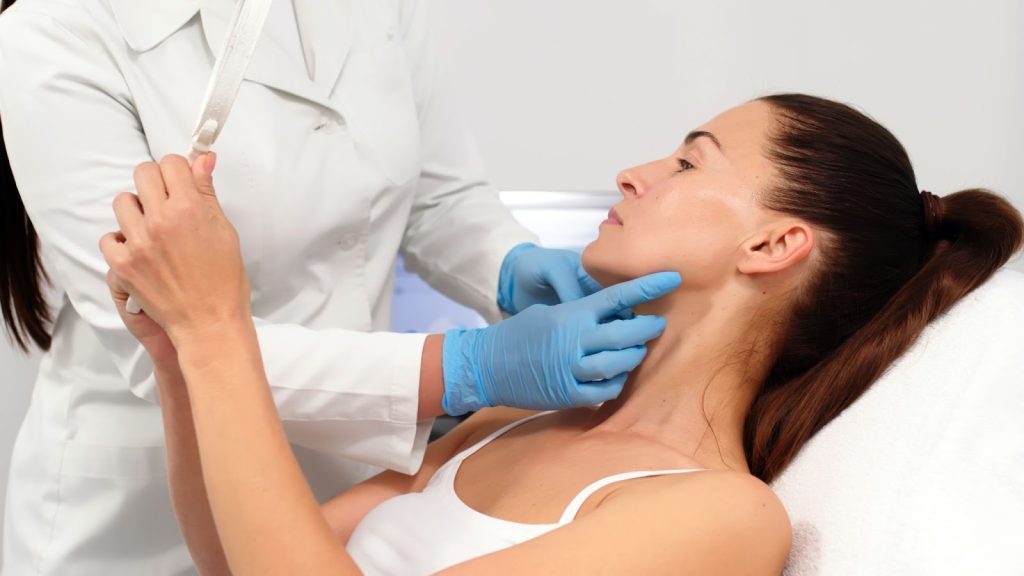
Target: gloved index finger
[591,286]
[588,284]
[565,284]
[615,299]
[621,334]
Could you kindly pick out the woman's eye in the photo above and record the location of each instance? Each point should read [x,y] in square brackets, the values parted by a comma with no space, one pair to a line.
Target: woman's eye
[685,165]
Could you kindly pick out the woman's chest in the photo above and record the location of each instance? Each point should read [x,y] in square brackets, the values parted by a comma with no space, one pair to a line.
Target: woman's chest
[534,479]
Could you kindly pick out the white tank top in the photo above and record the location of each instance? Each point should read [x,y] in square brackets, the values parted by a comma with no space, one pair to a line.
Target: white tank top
[425,532]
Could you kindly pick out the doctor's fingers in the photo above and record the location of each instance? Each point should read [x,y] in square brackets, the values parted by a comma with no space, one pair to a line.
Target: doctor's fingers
[149,183]
[591,286]
[616,299]
[587,283]
[177,176]
[202,174]
[608,364]
[128,212]
[590,393]
[124,261]
[621,334]
[565,283]
[117,254]
[191,186]
[118,288]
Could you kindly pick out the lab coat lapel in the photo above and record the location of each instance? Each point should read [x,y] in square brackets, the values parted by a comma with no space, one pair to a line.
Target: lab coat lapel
[325,34]
[146,23]
[325,29]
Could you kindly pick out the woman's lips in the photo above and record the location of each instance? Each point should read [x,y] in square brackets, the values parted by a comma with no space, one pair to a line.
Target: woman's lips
[613,219]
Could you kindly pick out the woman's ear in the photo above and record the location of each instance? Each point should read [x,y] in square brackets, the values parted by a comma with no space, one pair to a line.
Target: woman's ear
[777,248]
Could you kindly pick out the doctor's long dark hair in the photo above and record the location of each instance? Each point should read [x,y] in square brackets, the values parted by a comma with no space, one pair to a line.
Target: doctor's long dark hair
[886,267]
[21,271]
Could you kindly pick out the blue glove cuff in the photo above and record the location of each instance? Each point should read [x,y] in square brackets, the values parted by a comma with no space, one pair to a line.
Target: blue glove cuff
[463,391]
[506,278]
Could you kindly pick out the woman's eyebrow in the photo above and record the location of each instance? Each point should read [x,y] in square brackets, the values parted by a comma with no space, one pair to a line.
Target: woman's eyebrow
[701,133]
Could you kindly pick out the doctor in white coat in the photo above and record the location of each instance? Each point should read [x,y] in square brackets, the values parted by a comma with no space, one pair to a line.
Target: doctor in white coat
[342,152]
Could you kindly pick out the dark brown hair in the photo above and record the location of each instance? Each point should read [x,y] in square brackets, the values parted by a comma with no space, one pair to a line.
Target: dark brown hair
[21,271]
[884,273]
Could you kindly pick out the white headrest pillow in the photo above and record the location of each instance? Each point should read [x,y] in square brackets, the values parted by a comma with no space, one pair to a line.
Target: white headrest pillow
[924,474]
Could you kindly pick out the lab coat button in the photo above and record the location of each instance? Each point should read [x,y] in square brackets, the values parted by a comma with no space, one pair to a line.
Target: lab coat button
[326,124]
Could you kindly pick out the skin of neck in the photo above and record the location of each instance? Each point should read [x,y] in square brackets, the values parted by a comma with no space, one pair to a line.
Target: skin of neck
[694,388]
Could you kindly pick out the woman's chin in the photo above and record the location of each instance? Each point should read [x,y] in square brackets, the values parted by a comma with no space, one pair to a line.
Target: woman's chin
[600,266]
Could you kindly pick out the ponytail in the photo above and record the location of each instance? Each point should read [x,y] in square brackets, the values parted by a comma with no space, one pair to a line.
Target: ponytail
[978,233]
[890,260]
[21,271]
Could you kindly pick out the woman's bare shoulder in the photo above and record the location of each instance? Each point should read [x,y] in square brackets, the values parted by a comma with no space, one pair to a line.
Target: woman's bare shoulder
[736,507]
[730,496]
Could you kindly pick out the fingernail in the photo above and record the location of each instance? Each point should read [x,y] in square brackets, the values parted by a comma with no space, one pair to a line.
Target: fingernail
[211,161]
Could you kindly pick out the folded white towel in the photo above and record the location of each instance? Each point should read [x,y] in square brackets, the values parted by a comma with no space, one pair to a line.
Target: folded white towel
[924,474]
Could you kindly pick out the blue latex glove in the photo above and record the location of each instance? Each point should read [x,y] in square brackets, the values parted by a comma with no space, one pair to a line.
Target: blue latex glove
[533,275]
[553,357]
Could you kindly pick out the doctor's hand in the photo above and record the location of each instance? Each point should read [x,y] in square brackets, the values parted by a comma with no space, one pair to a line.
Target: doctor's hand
[151,335]
[176,252]
[534,275]
[553,357]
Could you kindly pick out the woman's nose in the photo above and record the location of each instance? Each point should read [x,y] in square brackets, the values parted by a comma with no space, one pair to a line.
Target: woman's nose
[638,180]
[628,183]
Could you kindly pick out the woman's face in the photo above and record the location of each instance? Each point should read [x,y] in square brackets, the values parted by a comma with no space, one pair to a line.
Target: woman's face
[691,211]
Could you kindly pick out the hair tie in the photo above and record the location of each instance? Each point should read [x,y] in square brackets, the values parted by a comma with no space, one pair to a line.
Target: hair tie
[932,212]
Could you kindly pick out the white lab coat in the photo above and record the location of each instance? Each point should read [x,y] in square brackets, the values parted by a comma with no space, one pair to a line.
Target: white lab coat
[326,180]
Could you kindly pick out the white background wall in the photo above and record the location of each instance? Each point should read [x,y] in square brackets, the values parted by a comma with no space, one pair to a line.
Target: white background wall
[564,93]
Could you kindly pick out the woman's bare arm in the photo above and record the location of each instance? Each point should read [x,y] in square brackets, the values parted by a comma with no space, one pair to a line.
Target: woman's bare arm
[188,493]
[343,512]
[268,520]
[262,504]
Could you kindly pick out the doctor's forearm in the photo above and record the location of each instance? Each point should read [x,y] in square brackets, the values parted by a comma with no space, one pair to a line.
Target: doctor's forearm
[431,378]
[185,474]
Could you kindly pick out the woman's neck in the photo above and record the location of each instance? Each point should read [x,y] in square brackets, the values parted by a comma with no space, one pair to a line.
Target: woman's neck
[694,388]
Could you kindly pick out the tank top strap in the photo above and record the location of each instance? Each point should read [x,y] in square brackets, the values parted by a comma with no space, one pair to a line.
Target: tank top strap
[473,449]
[574,507]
